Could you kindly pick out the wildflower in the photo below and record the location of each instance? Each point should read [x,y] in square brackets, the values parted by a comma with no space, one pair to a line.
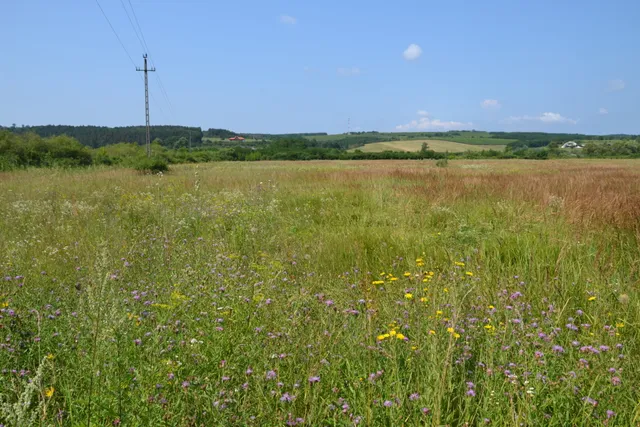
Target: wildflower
[424,299]
[50,356]
[471,392]
[456,335]
[620,325]
[459,264]
[393,279]
[426,411]
[610,414]
[488,327]
[450,330]
[408,295]
[557,349]
[592,298]
[382,337]
[590,401]
[407,274]
[414,396]
[432,332]
[313,380]
[468,273]
[185,384]
[539,355]
[287,398]
[378,282]
[400,336]
[388,403]
[616,381]
[49,392]
[270,375]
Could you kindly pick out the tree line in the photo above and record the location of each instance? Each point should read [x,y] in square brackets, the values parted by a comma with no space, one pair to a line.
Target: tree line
[100,136]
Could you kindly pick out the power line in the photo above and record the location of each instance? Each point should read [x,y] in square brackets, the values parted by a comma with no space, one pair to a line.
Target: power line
[143,43]
[116,33]
[128,55]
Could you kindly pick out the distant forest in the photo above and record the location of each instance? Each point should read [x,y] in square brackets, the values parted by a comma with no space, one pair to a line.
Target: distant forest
[100,136]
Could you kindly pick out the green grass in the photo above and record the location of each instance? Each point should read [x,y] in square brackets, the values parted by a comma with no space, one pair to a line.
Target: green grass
[434,144]
[261,294]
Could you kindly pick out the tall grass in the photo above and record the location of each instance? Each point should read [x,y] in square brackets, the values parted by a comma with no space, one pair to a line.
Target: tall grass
[322,293]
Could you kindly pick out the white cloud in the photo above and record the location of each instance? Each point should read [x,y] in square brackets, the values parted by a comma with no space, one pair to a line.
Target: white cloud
[412,52]
[603,111]
[422,113]
[425,123]
[353,71]
[616,85]
[286,19]
[490,104]
[544,118]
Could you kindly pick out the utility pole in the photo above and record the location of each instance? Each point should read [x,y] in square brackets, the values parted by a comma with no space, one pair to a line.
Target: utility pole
[189,139]
[146,101]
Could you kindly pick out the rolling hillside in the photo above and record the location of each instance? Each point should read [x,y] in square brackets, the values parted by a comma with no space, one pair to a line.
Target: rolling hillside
[434,144]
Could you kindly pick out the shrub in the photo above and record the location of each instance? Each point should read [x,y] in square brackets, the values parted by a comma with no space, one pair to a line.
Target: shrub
[442,163]
[152,164]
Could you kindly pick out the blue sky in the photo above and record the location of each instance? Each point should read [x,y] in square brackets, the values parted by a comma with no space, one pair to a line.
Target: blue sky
[301,66]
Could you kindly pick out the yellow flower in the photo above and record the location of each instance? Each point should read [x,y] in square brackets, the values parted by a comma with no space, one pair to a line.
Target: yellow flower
[393,333]
[488,327]
[393,279]
[450,330]
[439,312]
[620,325]
[424,299]
[432,332]
[49,391]
[381,337]
[592,298]
[408,295]
[4,304]
[414,347]
[468,273]
[426,279]
[400,336]
[50,356]
[456,335]
[446,289]
[459,264]
[407,274]
[491,307]
[378,282]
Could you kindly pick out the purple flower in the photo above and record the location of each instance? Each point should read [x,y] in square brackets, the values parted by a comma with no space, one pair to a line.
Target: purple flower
[388,403]
[471,392]
[616,381]
[287,398]
[329,302]
[414,396]
[137,341]
[249,371]
[604,348]
[314,380]
[426,411]
[590,401]
[539,355]
[185,384]
[557,349]
[610,414]
[270,375]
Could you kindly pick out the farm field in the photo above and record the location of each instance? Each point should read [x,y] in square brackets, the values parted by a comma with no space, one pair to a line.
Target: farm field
[322,293]
[434,144]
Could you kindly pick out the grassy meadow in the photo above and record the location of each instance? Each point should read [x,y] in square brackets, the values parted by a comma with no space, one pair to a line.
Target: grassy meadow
[439,146]
[378,293]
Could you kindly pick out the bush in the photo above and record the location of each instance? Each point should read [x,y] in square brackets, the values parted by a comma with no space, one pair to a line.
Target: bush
[442,163]
[152,164]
